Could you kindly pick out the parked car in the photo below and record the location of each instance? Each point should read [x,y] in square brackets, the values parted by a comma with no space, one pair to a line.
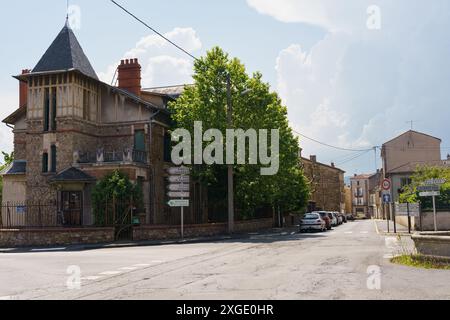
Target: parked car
[350,217]
[326,218]
[339,218]
[344,217]
[313,222]
[334,220]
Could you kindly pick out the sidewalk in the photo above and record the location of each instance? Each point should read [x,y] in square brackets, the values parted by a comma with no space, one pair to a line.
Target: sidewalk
[128,244]
[382,228]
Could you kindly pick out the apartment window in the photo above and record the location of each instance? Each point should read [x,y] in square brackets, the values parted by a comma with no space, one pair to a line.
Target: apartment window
[53,161]
[139,140]
[53,116]
[86,106]
[45,162]
[47,110]
[405,182]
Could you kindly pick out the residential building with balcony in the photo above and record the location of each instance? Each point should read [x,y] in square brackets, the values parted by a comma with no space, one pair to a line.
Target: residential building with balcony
[71,129]
[359,185]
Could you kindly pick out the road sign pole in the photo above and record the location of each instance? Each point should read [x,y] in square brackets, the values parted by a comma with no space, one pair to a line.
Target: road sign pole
[435,214]
[182,223]
[388,216]
[409,218]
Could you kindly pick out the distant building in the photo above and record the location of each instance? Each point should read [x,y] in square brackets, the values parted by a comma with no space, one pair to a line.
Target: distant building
[403,154]
[375,195]
[360,187]
[327,185]
[348,199]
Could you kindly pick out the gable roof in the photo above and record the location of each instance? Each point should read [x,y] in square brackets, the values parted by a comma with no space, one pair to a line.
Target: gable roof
[409,132]
[65,53]
[72,175]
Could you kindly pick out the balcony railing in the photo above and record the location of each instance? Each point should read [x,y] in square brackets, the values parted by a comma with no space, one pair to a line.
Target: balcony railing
[101,156]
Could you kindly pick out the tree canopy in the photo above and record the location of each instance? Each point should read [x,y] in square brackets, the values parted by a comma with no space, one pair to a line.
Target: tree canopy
[254,107]
[422,174]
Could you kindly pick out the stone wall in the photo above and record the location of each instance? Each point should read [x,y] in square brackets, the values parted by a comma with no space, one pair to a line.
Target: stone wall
[203,230]
[52,237]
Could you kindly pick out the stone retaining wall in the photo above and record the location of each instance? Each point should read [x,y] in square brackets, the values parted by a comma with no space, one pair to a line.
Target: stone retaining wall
[52,237]
[203,230]
[433,243]
[61,236]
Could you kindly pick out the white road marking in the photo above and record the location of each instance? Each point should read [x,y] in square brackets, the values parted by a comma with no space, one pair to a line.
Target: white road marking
[388,256]
[129,268]
[349,232]
[364,232]
[92,278]
[50,249]
[143,265]
[5,298]
[110,273]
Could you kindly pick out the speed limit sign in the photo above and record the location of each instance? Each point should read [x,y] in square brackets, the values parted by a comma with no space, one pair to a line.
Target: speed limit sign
[386,185]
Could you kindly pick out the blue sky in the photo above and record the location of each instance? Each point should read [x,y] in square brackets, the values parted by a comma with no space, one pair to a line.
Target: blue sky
[344,83]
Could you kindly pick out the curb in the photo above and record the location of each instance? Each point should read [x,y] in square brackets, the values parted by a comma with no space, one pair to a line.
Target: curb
[151,243]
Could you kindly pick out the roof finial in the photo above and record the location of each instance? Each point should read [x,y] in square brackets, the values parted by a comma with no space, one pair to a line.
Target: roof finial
[67,14]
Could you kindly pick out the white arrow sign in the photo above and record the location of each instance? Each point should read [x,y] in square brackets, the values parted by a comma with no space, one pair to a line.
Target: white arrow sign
[182,171]
[178,203]
[178,187]
[178,194]
[179,179]
[430,194]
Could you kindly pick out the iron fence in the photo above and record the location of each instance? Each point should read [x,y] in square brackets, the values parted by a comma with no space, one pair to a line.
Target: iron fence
[38,215]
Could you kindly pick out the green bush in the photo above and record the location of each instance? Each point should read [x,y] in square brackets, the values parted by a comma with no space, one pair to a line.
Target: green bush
[113,197]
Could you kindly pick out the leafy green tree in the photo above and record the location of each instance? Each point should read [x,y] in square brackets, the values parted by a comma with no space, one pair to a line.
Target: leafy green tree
[423,173]
[254,107]
[8,158]
[113,196]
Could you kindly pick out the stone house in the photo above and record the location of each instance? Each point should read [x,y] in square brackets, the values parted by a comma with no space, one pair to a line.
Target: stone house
[327,185]
[72,129]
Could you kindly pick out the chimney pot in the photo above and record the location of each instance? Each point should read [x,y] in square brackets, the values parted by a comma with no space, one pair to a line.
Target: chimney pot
[332,164]
[23,90]
[313,159]
[129,76]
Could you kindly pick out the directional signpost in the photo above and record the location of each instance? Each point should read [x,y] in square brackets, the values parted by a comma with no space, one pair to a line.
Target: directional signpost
[179,188]
[431,188]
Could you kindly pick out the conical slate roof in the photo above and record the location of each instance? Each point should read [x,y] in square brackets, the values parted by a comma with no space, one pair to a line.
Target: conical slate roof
[65,53]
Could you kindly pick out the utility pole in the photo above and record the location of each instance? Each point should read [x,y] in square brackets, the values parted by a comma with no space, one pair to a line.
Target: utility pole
[230,166]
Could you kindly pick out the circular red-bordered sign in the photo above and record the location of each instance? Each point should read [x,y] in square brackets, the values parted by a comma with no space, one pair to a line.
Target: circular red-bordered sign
[386,185]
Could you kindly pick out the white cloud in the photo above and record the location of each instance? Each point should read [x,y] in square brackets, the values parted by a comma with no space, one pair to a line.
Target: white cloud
[162,64]
[357,87]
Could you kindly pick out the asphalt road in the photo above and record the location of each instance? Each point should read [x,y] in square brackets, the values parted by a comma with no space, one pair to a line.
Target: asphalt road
[350,262]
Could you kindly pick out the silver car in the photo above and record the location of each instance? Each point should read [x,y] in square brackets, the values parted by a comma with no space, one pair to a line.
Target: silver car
[313,222]
[334,219]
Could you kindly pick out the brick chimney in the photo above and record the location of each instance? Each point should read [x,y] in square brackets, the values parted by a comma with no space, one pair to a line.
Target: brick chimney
[23,90]
[333,165]
[313,159]
[129,76]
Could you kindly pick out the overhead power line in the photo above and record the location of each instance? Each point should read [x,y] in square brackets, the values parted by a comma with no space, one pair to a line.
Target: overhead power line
[331,146]
[154,30]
